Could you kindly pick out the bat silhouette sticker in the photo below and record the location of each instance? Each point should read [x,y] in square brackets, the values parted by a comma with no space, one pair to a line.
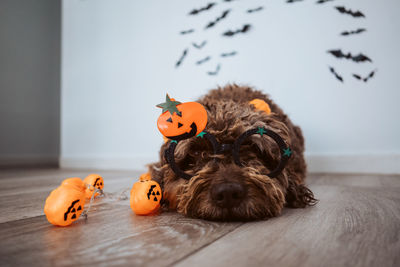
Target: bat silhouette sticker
[355,14]
[197,11]
[358,31]
[358,58]
[369,76]
[214,22]
[200,46]
[187,31]
[230,54]
[337,76]
[244,29]
[213,73]
[201,61]
[255,9]
[184,54]
[323,1]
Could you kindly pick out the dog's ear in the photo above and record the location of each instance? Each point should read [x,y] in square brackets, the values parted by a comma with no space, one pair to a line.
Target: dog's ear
[299,196]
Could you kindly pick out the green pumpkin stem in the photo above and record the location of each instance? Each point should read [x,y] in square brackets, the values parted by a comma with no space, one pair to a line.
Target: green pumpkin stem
[169,105]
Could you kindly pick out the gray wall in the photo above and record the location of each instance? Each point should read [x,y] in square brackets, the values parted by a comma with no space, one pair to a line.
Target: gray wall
[29,81]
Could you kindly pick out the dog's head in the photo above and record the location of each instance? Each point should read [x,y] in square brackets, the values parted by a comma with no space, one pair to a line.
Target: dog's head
[219,189]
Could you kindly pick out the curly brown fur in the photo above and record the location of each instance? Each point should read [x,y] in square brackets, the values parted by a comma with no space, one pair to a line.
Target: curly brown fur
[229,115]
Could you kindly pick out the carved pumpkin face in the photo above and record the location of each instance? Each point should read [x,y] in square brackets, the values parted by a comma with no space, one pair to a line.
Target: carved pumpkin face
[65,204]
[181,120]
[94,181]
[145,197]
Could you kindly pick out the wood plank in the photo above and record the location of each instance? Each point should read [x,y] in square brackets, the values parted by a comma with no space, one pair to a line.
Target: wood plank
[351,226]
[113,235]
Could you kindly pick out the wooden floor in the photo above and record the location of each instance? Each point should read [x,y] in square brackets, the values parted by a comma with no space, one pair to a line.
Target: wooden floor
[356,223]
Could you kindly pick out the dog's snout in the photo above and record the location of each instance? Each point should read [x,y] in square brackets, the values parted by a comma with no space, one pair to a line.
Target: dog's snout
[228,195]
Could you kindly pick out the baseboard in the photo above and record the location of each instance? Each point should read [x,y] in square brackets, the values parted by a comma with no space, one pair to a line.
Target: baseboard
[385,164]
[374,163]
[107,163]
[28,161]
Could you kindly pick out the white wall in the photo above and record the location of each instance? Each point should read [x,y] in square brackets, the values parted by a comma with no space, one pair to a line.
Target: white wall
[118,62]
[30,33]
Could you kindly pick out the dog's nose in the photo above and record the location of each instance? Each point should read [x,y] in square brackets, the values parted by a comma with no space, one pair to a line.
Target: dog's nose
[227,195]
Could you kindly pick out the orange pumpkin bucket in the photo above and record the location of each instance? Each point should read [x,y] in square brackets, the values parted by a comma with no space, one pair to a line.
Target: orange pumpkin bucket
[145,196]
[65,204]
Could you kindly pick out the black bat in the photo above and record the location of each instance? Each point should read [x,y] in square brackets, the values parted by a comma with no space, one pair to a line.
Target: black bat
[255,9]
[201,61]
[359,58]
[337,76]
[244,29]
[179,62]
[214,72]
[200,46]
[223,15]
[355,14]
[187,31]
[229,54]
[323,1]
[197,11]
[370,75]
[292,1]
[358,31]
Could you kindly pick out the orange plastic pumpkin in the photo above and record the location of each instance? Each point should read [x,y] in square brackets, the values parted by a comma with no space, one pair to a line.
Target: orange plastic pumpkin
[145,196]
[94,181]
[181,120]
[260,104]
[65,204]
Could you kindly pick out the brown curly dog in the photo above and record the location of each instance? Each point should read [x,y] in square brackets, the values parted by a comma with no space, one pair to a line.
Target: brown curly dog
[219,188]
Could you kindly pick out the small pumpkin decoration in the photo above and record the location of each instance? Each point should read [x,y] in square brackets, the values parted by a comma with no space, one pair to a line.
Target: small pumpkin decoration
[145,196]
[94,181]
[179,121]
[260,104]
[65,204]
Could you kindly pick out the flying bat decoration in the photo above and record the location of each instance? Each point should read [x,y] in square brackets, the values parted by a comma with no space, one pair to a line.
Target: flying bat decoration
[184,54]
[355,14]
[255,9]
[187,31]
[231,54]
[292,1]
[370,75]
[244,29]
[213,23]
[201,61]
[337,76]
[358,31]
[200,46]
[323,1]
[197,11]
[358,58]
[213,73]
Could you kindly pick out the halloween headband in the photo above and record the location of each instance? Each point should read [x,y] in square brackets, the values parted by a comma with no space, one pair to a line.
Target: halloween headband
[180,121]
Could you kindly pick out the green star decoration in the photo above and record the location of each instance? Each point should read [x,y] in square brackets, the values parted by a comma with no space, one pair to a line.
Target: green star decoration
[261,131]
[287,152]
[201,134]
[169,105]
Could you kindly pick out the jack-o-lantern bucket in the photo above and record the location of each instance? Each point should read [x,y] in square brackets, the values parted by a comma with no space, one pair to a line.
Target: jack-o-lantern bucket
[145,196]
[65,204]
[94,181]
